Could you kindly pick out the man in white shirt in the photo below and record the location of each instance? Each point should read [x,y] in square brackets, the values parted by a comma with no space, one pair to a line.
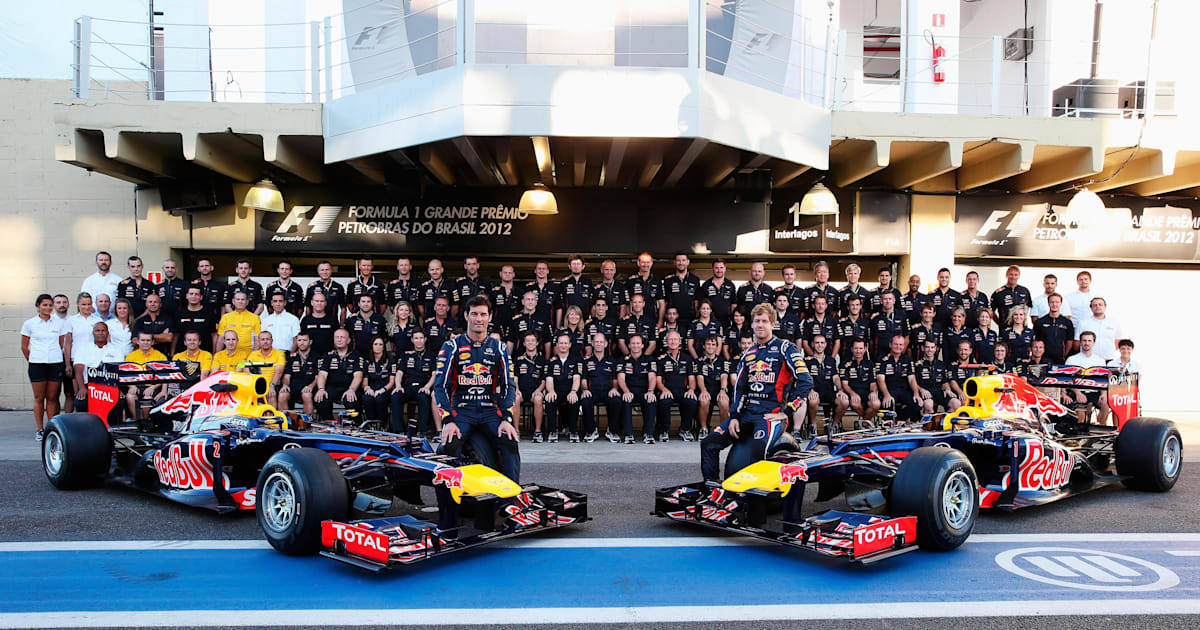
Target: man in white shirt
[1107,329]
[283,325]
[1125,361]
[1040,307]
[1077,304]
[91,354]
[1086,359]
[102,281]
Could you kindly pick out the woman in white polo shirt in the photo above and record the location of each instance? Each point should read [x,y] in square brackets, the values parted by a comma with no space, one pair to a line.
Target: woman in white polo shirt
[42,338]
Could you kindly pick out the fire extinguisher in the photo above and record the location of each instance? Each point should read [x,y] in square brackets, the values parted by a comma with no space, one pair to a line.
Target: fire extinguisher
[939,75]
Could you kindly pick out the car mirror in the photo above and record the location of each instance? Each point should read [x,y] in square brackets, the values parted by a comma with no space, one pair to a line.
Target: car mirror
[224,388]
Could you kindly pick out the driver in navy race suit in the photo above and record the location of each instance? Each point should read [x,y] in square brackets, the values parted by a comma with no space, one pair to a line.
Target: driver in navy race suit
[475,391]
[771,376]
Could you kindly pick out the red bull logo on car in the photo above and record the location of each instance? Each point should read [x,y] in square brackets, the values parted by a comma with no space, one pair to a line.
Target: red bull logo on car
[1043,467]
[191,472]
[449,477]
[791,473]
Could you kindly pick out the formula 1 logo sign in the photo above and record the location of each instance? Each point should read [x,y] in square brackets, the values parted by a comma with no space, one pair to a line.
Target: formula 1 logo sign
[1042,226]
[302,226]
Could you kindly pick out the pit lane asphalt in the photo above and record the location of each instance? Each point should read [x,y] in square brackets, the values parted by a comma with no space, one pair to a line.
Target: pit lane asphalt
[618,481]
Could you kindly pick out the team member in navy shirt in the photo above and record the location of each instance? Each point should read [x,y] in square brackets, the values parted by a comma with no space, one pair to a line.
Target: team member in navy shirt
[563,374]
[933,380]
[858,380]
[945,300]
[797,296]
[334,292]
[956,333]
[827,386]
[676,386]
[755,291]
[1055,330]
[712,379]
[575,289]
[703,328]
[897,381]
[548,292]
[925,330]
[639,323]
[440,327]
[719,291]
[365,283]
[600,323]
[600,388]
[366,325]
[984,338]
[467,287]
[681,290]
[912,301]
[885,288]
[404,288]
[612,290]
[1017,334]
[637,379]
[647,286]
[819,323]
[853,326]
[530,368]
[786,325]
[885,324]
[972,300]
[435,287]
[853,272]
[821,287]
[527,321]
[1010,295]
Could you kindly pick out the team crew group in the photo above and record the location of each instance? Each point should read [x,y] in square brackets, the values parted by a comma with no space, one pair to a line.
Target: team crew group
[645,343]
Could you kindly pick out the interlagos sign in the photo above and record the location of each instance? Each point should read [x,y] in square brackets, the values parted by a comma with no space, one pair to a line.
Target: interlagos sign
[1038,226]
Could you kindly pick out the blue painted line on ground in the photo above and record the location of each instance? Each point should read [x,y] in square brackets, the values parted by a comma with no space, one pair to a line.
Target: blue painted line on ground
[49,581]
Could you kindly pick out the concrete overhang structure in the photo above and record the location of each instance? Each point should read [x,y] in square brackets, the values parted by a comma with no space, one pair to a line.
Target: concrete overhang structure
[473,125]
[476,126]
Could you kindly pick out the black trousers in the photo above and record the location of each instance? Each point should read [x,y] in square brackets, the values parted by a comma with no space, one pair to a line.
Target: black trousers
[334,395]
[409,394]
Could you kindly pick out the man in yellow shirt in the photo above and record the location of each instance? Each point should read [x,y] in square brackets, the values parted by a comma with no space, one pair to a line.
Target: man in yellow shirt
[227,360]
[268,354]
[143,354]
[241,321]
[193,353]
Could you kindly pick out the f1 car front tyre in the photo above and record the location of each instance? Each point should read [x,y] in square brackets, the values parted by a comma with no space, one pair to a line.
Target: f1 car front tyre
[939,487]
[297,489]
[75,450]
[1149,453]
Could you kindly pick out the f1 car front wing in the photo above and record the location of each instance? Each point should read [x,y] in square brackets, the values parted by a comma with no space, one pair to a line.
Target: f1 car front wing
[852,536]
[382,543]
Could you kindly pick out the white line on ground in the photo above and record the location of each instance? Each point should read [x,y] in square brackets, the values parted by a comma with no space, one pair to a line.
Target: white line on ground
[637,614]
[1185,552]
[583,542]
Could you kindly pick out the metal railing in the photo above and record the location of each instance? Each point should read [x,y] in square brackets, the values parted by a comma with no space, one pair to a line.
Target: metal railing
[772,44]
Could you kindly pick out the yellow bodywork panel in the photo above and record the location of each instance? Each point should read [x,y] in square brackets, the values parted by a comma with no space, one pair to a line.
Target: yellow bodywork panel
[249,403]
[767,476]
[476,480]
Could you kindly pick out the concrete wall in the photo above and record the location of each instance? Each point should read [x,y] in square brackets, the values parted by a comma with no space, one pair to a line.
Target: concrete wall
[56,216]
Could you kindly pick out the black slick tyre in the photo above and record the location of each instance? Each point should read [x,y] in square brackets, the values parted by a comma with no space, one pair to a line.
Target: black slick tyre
[1149,454]
[297,489]
[938,486]
[76,451]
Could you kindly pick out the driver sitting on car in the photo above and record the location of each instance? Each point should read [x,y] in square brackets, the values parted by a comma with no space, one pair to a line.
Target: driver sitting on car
[771,376]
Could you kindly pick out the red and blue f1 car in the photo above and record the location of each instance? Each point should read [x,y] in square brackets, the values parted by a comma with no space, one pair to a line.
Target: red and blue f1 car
[218,445]
[924,483]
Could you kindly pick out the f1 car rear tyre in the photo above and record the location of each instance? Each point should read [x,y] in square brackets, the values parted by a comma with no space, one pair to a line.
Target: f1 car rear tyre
[297,489]
[75,450]
[938,486]
[1150,453]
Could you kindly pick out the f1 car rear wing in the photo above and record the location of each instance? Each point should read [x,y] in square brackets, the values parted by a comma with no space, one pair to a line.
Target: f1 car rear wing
[1120,386]
[106,379]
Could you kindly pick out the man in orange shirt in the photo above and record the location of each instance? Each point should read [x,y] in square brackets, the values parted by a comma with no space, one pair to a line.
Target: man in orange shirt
[143,354]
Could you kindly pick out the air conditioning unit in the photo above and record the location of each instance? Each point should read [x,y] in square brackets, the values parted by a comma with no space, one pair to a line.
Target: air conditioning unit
[1132,99]
[1087,98]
